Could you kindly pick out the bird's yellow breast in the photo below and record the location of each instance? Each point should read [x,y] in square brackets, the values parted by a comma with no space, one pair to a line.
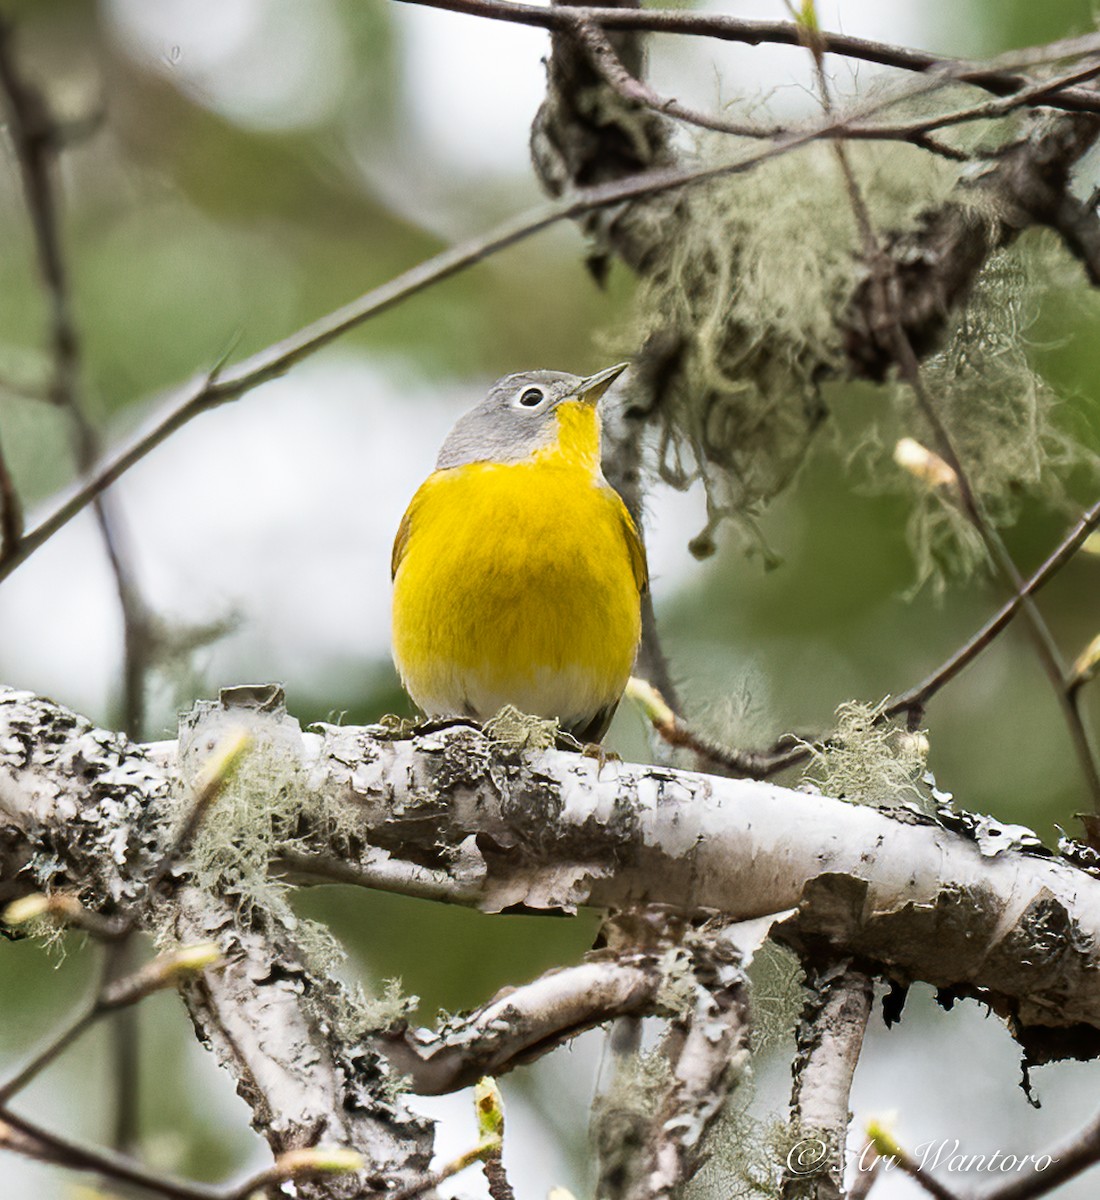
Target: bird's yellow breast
[519,583]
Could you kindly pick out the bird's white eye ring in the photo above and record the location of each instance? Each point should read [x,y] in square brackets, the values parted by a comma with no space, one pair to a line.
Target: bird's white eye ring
[531,397]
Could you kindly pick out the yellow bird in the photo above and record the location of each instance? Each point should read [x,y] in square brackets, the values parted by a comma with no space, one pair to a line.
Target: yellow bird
[518,572]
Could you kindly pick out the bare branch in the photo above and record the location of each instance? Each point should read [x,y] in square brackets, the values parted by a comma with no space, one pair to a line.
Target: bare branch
[1068,1159]
[11,510]
[218,387]
[20,1135]
[433,1179]
[708,1053]
[603,57]
[624,428]
[964,903]
[524,1022]
[34,136]
[959,243]
[991,78]
[914,701]
[886,286]
[761,764]
[37,139]
[829,1041]
[867,1174]
[887,1146]
[112,996]
[56,1047]
[722,760]
[1046,647]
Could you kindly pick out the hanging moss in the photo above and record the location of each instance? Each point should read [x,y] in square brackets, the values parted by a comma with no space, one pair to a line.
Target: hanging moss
[748,298]
[1001,416]
[258,815]
[750,289]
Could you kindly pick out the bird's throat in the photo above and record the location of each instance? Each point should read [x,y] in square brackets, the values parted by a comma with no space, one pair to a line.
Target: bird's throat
[578,437]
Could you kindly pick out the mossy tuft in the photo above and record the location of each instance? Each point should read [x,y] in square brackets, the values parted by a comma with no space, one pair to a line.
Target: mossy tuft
[870,763]
[742,314]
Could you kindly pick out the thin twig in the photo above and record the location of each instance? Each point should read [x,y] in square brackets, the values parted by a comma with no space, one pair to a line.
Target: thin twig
[929,1183]
[762,764]
[120,958]
[431,1181]
[56,1047]
[865,1177]
[602,55]
[36,139]
[500,1187]
[885,276]
[33,135]
[11,510]
[1078,1153]
[112,995]
[219,386]
[913,701]
[1046,647]
[20,1135]
[31,1140]
[294,1165]
[716,758]
[991,78]
[624,429]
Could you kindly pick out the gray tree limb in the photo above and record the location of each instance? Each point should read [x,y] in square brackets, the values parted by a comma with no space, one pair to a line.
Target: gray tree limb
[829,1039]
[586,130]
[960,902]
[89,812]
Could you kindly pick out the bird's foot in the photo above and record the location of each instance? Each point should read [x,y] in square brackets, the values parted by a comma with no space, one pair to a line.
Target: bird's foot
[394,728]
[566,741]
[601,755]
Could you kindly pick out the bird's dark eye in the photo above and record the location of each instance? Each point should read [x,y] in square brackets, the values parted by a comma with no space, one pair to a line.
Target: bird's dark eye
[532,397]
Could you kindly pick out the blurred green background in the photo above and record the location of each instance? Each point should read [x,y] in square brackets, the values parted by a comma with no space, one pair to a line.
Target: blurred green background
[260,162]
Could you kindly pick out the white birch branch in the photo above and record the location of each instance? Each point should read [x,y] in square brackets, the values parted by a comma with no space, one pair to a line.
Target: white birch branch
[977,908]
[829,1039]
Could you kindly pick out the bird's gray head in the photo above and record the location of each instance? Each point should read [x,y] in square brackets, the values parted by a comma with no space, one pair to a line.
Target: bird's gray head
[517,417]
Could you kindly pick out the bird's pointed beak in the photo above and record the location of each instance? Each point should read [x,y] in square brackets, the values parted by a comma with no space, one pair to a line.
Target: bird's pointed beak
[591,389]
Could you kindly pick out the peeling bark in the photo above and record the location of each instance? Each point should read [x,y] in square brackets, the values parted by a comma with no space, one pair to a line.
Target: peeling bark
[707,1049]
[271,1023]
[523,1022]
[964,903]
[87,811]
[829,1039]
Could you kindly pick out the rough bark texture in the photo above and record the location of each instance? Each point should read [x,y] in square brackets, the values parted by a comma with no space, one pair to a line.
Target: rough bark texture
[935,265]
[961,902]
[829,1039]
[707,1051]
[586,133]
[85,811]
